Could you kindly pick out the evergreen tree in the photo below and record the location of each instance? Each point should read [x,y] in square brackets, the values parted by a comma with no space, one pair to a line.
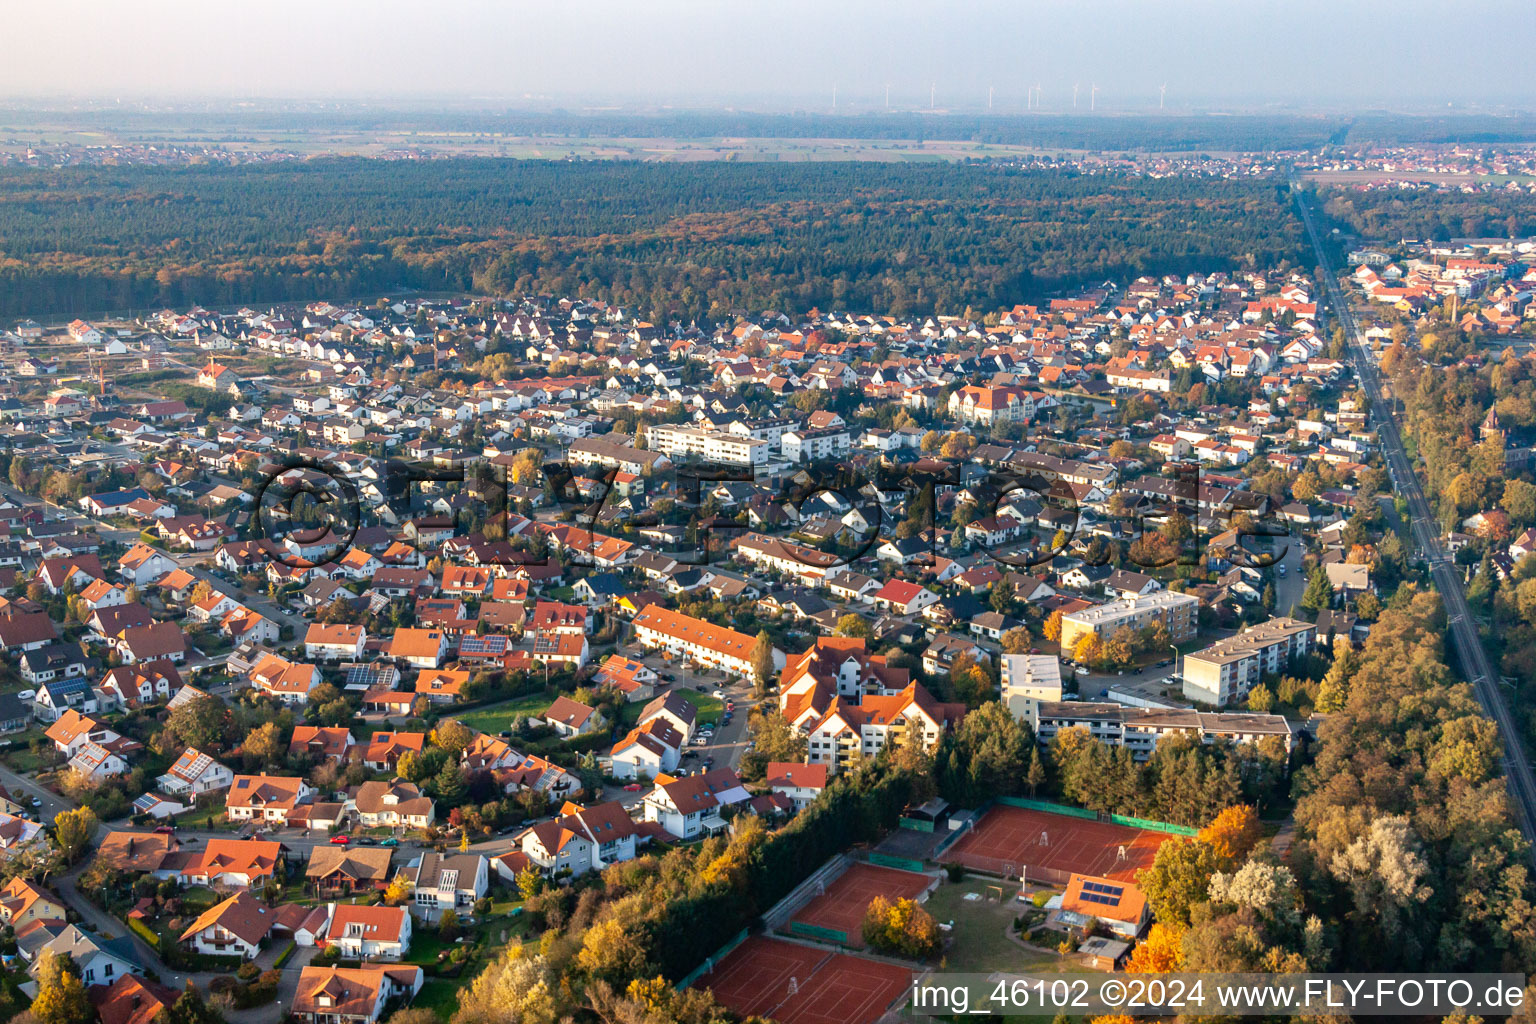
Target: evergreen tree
[1319,592]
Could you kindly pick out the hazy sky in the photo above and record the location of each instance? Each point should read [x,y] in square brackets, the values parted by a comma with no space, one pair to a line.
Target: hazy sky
[779,53]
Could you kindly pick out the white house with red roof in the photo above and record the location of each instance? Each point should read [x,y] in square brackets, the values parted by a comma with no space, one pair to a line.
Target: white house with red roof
[800,783]
[690,806]
[904,598]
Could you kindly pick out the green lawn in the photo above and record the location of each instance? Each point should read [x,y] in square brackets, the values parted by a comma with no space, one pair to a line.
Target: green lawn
[497,718]
[710,708]
[981,944]
[207,814]
[441,995]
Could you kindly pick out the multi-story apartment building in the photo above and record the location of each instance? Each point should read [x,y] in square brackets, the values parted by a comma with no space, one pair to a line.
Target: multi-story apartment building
[608,451]
[972,404]
[701,642]
[710,446]
[1226,671]
[1175,611]
[1028,681]
[1141,729]
[849,731]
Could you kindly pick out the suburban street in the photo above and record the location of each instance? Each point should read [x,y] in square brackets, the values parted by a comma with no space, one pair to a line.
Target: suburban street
[1426,532]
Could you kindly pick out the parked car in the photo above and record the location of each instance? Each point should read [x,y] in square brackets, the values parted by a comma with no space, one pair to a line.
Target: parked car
[340,840]
[26,695]
[633,787]
[367,841]
[668,677]
[700,687]
[719,695]
[163,830]
[391,841]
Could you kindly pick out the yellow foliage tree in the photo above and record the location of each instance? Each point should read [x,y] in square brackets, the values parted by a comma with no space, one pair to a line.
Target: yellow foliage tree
[1160,952]
[1089,649]
[399,891]
[1052,627]
[1233,832]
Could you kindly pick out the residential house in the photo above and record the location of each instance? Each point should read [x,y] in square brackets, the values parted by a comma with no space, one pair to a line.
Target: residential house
[234,927]
[369,932]
[446,881]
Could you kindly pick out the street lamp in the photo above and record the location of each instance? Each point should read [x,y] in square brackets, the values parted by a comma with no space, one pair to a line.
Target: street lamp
[1175,649]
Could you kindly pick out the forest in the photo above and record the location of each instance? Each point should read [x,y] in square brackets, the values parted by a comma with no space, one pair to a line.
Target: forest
[688,240]
[1430,213]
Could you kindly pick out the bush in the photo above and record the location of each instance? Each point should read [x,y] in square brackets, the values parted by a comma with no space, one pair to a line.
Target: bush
[248,971]
[956,872]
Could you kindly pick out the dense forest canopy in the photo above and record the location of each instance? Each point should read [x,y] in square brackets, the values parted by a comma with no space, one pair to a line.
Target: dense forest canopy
[694,240]
[1429,213]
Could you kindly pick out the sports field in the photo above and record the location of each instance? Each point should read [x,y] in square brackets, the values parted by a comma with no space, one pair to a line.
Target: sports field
[797,984]
[841,907]
[1049,847]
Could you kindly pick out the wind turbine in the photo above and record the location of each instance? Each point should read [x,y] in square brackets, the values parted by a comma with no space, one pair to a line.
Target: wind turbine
[1074,95]
[834,97]
[1039,100]
[887,95]
[1093,98]
[989,99]
[1162,93]
[932,91]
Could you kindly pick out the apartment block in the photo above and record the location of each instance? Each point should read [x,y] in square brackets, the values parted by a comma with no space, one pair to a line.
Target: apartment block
[1141,729]
[1175,611]
[1226,671]
[684,442]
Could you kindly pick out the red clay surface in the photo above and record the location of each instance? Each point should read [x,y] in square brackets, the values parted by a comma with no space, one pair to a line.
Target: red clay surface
[843,904]
[1009,837]
[832,988]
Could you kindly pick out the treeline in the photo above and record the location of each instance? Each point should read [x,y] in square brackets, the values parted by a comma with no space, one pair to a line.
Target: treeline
[628,936]
[694,240]
[1185,782]
[1428,213]
[1405,854]
[1406,844]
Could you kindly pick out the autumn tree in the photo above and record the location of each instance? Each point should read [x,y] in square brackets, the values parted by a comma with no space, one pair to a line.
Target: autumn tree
[1051,630]
[903,927]
[60,998]
[453,736]
[1158,952]
[852,624]
[1233,832]
[1179,878]
[265,745]
[73,831]
[1089,650]
[761,660]
[1016,640]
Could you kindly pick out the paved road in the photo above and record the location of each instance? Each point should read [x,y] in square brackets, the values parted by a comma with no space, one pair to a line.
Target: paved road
[23,789]
[1426,532]
[107,926]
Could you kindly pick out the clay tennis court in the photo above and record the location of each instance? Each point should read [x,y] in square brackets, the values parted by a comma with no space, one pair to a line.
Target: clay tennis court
[1010,838]
[831,988]
[841,907]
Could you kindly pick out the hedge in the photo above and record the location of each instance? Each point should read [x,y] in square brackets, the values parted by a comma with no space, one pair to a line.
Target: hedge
[286,954]
[144,932]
